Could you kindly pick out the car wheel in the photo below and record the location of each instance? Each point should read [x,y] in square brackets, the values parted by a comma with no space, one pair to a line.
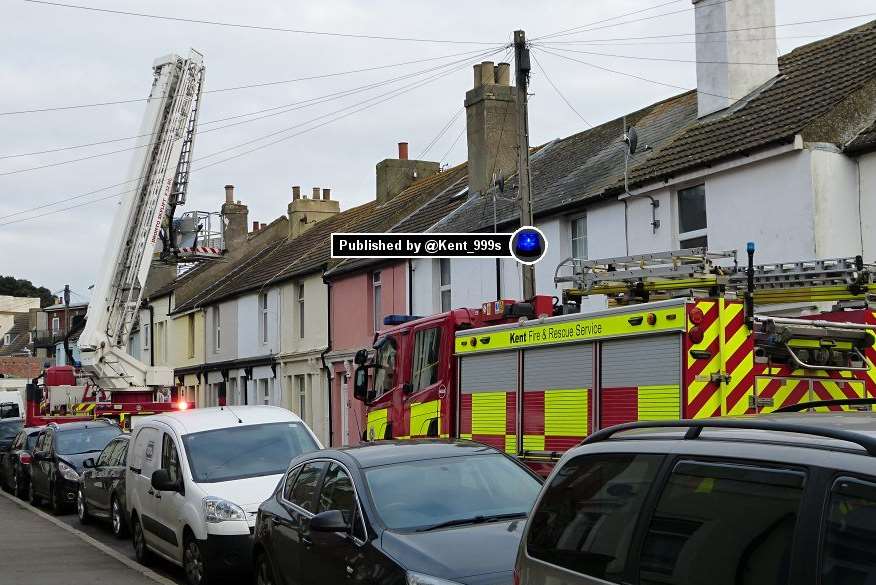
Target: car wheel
[140,551]
[55,501]
[193,562]
[18,489]
[117,516]
[81,507]
[264,572]
[32,496]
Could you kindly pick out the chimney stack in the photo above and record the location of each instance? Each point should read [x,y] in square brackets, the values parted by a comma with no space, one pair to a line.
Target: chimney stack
[736,50]
[255,226]
[491,126]
[262,226]
[396,175]
[234,219]
[304,212]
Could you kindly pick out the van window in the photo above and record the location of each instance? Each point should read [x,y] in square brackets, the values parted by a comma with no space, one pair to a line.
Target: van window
[722,524]
[586,518]
[305,485]
[427,345]
[850,541]
[170,458]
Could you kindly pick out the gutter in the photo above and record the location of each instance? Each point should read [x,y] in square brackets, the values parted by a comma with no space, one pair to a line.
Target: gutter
[328,348]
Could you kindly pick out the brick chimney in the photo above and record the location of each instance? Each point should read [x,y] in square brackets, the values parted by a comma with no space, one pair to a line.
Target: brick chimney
[234,220]
[304,212]
[394,175]
[491,124]
[730,65]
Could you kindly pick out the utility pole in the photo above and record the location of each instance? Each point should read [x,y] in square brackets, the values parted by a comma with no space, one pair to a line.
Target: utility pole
[522,68]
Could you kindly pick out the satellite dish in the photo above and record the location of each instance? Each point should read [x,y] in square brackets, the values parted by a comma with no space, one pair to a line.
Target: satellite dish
[632,140]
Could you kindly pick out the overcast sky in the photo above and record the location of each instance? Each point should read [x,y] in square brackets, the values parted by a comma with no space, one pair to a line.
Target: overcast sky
[55,56]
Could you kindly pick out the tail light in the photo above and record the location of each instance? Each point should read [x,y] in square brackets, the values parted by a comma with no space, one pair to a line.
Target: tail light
[25,458]
[696,316]
[695,335]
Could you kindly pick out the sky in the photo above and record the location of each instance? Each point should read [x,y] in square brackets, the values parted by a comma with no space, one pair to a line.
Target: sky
[56,56]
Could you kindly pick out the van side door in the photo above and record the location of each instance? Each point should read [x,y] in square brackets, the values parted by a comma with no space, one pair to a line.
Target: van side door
[169,504]
[145,459]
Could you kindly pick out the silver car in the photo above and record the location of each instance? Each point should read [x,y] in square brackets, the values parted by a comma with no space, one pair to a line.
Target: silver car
[780,499]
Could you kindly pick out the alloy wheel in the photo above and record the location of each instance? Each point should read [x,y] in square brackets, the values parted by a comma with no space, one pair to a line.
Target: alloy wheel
[116,513]
[80,507]
[140,550]
[193,563]
[16,483]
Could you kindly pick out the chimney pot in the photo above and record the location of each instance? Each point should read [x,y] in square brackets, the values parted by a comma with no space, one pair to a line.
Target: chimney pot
[255,226]
[262,226]
[296,192]
[229,193]
[315,193]
[477,76]
[403,151]
[488,73]
[503,74]
[326,194]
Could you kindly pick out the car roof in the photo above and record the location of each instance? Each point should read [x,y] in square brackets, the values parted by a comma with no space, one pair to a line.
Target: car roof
[859,424]
[79,425]
[377,453]
[9,421]
[196,420]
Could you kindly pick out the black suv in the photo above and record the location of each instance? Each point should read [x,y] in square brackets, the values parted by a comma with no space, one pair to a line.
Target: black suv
[58,456]
[781,499]
[15,463]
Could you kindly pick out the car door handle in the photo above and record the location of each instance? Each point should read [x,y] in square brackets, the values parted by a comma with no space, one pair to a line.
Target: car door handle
[157,495]
[136,470]
[151,492]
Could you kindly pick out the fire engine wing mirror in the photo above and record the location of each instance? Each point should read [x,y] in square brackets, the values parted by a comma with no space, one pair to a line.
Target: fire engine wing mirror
[361,357]
[360,384]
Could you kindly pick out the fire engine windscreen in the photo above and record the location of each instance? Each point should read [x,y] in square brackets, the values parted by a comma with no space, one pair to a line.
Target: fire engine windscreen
[451,491]
[245,451]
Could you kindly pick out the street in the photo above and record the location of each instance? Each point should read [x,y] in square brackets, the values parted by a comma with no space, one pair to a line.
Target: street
[36,551]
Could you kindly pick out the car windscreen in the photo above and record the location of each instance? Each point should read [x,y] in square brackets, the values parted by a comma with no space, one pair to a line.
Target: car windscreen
[426,494]
[245,451]
[70,442]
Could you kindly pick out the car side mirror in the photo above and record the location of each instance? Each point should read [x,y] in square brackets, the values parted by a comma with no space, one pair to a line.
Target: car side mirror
[161,481]
[89,463]
[329,521]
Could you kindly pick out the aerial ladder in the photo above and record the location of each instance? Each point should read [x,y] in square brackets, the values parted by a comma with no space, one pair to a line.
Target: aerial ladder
[142,231]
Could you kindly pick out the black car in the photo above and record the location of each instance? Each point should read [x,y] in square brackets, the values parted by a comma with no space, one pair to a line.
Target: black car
[102,486]
[57,459]
[404,512]
[15,463]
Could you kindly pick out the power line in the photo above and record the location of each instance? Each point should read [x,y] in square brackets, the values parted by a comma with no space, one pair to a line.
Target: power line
[54,211]
[294,106]
[633,13]
[234,88]
[66,199]
[257,27]
[622,44]
[449,150]
[559,93]
[666,59]
[440,134]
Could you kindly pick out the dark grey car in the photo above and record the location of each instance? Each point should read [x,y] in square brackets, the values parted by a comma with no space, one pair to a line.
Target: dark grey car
[780,499]
[102,486]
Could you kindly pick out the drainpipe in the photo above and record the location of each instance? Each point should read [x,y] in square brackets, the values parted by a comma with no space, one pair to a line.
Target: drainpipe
[151,335]
[410,287]
[328,348]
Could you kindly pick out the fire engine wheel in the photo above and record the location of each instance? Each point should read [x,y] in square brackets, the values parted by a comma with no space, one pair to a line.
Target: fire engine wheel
[118,519]
[81,507]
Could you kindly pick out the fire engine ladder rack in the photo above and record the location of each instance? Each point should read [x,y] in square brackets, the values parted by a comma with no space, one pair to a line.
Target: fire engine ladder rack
[836,279]
[645,274]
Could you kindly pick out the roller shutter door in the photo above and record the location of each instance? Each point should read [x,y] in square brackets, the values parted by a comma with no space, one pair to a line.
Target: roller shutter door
[558,367]
[490,372]
[645,361]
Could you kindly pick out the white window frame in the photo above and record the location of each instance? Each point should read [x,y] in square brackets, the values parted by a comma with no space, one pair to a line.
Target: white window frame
[300,293]
[190,334]
[377,299]
[217,328]
[573,237]
[146,336]
[7,339]
[300,383]
[263,316]
[56,325]
[681,236]
[445,288]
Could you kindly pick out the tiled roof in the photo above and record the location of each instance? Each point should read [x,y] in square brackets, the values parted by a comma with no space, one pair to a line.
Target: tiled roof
[809,96]
[18,334]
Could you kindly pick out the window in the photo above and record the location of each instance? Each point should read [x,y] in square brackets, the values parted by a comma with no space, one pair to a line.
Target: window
[337,493]
[301,311]
[56,325]
[305,485]
[444,275]
[120,455]
[378,300]
[263,316]
[217,328]
[578,227]
[106,456]
[697,534]
[191,335]
[146,330]
[170,459]
[384,375]
[301,392]
[850,539]
[7,339]
[585,520]
[692,217]
[427,345]
[264,391]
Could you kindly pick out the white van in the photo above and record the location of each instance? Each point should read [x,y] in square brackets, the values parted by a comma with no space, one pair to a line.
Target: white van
[195,480]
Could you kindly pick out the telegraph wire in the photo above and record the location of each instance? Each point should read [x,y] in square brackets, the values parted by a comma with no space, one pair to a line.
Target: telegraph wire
[623,44]
[559,93]
[236,88]
[632,13]
[440,134]
[54,211]
[257,27]
[449,150]
[74,197]
[641,58]
[293,106]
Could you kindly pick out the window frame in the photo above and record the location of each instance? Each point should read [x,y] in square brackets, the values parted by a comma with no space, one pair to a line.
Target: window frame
[56,325]
[263,317]
[190,334]
[698,233]
[217,328]
[572,237]
[445,288]
[316,488]
[414,376]
[300,299]
[829,489]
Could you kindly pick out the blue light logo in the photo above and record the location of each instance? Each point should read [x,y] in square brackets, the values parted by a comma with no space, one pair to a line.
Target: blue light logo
[528,245]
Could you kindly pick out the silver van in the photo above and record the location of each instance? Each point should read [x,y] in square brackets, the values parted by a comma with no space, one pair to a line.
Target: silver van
[774,500]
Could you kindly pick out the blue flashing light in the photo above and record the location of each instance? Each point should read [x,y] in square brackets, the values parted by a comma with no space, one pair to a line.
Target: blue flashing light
[749,247]
[399,319]
[528,242]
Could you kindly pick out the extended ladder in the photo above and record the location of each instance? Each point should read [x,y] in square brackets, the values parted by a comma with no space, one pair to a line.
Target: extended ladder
[834,279]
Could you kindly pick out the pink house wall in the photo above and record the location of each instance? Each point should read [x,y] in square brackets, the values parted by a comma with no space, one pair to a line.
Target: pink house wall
[352,328]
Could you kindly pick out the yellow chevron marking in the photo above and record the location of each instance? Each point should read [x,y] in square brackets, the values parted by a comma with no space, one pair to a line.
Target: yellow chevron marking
[738,374]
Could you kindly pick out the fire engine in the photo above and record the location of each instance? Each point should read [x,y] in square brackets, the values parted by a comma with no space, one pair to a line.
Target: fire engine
[111,382]
[679,339]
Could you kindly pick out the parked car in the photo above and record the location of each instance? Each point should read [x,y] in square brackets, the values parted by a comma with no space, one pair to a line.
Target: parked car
[15,463]
[195,480]
[58,454]
[418,512]
[9,427]
[781,499]
[102,486]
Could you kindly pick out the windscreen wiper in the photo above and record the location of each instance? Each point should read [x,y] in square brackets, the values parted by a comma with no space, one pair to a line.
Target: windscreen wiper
[479,519]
